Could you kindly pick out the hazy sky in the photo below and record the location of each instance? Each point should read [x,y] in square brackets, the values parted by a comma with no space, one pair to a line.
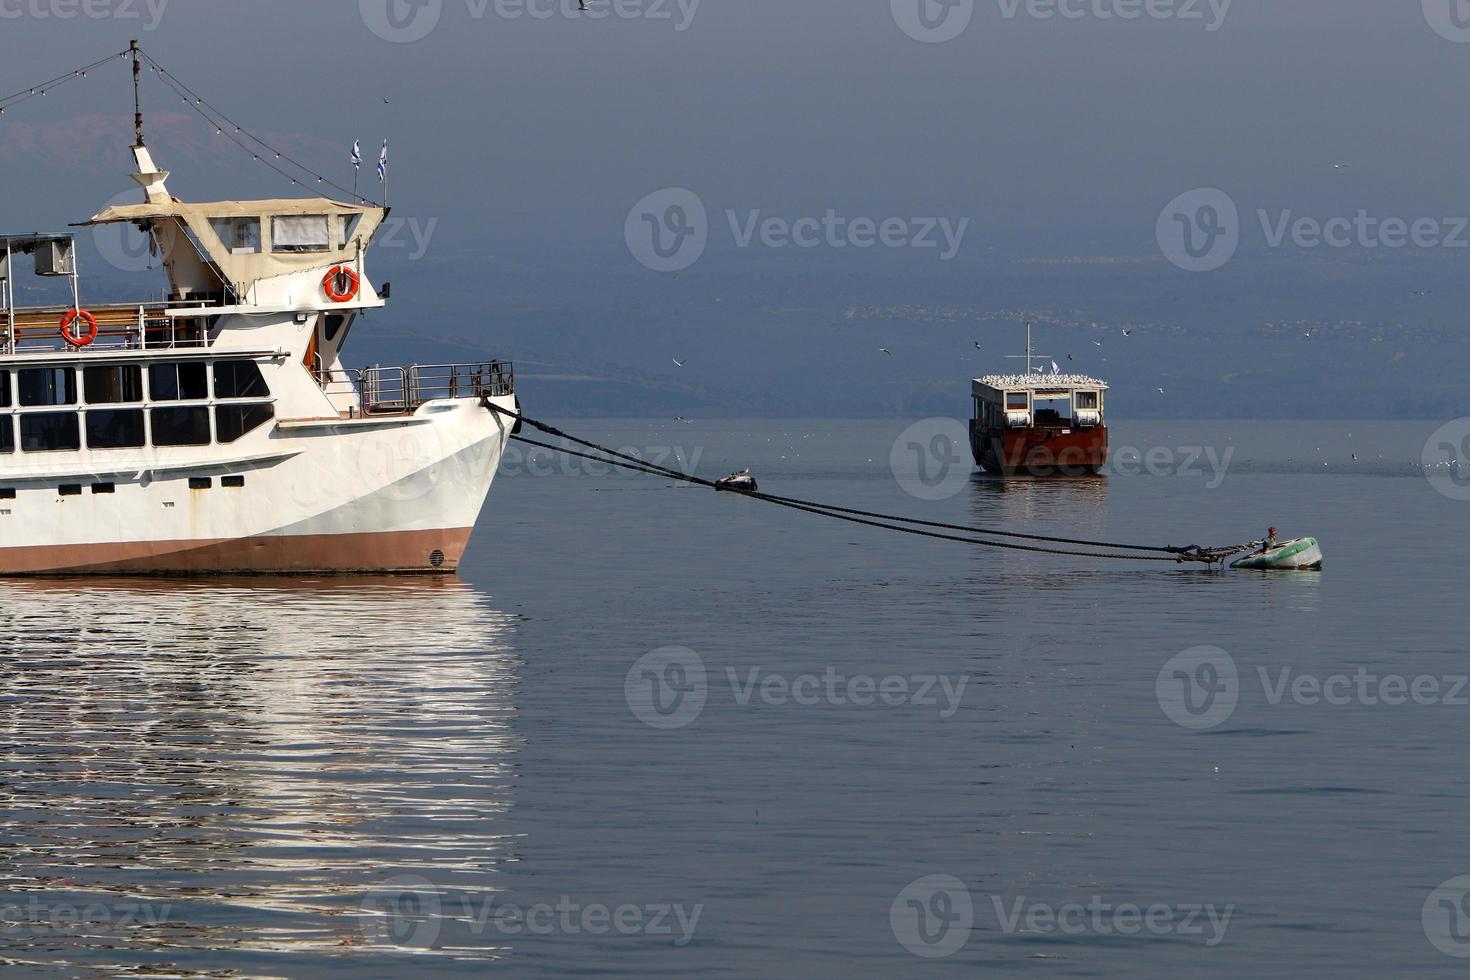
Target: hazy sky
[1074,126]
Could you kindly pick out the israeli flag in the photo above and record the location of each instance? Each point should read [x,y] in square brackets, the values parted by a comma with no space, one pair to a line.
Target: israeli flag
[357,154]
[383,162]
[1054,369]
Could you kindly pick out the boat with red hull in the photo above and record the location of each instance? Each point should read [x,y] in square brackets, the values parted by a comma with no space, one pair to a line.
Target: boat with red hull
[1039,424]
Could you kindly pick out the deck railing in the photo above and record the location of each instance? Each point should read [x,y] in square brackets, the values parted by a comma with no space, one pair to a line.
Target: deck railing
[120,326]
[402,390]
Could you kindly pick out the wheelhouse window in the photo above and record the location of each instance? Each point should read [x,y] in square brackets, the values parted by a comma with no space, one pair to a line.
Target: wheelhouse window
[239,379]
[240,235]
[7,434]
[180,426]
[49,432]
[48,386]
[111,385]
[118,429]
[233,422]
[1087,399]
[178,382]
[301,233]
[1016,401]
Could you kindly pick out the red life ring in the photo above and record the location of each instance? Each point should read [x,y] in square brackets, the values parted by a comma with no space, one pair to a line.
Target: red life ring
[340,284]
[89,332]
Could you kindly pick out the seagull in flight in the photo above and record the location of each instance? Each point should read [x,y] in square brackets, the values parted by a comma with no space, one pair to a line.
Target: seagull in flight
[885,350]
[977,345]
[585,5]
[1161,391]
[1097,343]
[679,363]
[1127,331]
[680,418]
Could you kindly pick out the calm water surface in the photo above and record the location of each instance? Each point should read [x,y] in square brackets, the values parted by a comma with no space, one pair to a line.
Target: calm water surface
[367,777]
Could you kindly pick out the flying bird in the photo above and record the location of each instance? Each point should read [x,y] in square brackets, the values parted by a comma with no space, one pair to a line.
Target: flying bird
[678,363]
[885,350]
[1161,391]
[977,345]
[1097,343]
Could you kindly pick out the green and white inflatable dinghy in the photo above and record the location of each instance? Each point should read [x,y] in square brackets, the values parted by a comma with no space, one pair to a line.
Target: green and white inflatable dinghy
[1301,555]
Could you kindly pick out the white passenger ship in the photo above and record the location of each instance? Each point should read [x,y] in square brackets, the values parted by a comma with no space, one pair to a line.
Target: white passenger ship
[218,430]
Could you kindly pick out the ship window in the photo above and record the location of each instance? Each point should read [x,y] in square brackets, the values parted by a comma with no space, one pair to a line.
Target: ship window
[1087,399]
[1016,401]
[349,227]
[178,382]
[46,432]
[234,421]
[239,379]
[104,488]
[232,481]
[180,426]
[240,235]
[300,233]
[335,323]
[7,434]
[121,429]
[48,386]
[201,482]
[109,385]
[70,490]
[7,494]
[4,389]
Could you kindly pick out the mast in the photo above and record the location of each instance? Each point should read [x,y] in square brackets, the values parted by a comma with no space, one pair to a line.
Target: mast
[137,103]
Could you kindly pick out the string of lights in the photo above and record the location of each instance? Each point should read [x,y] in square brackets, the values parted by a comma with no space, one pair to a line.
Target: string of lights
[35,91]
[227,127]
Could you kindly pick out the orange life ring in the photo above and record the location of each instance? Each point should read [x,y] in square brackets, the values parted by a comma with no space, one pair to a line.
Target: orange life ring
[340,284]
[89,332]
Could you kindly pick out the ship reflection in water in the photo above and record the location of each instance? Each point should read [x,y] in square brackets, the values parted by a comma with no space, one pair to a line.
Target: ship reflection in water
[192,767]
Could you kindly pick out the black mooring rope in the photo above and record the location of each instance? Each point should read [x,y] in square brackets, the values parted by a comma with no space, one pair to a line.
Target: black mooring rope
[888,522]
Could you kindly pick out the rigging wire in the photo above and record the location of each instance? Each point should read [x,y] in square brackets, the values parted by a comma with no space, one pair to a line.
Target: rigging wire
[34,91]
[227,127]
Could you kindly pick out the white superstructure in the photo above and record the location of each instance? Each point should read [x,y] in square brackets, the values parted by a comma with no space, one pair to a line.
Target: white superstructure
[218,430]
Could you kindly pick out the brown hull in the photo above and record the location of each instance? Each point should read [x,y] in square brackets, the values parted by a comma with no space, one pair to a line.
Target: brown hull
[1041,451]
[393,552]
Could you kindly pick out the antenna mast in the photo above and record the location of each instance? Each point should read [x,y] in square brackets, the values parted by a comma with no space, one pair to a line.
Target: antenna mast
[137,104]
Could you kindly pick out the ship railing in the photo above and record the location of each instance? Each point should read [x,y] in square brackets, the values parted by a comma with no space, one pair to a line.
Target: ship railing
[403,390]
[120,326]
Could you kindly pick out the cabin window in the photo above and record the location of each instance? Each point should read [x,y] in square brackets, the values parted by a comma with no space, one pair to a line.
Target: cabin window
[201,483]
[232,422]
[48,386]
[232,481]
[180,426]
[7,434]
[335,323]
[70,490]
[49,432]
[240,235]
[1016,402]
[300,233]
[1087,399]
[110,385]
[239,379]
[178,382]
[349,224]
[104,488]
[121,429]
[4,389]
